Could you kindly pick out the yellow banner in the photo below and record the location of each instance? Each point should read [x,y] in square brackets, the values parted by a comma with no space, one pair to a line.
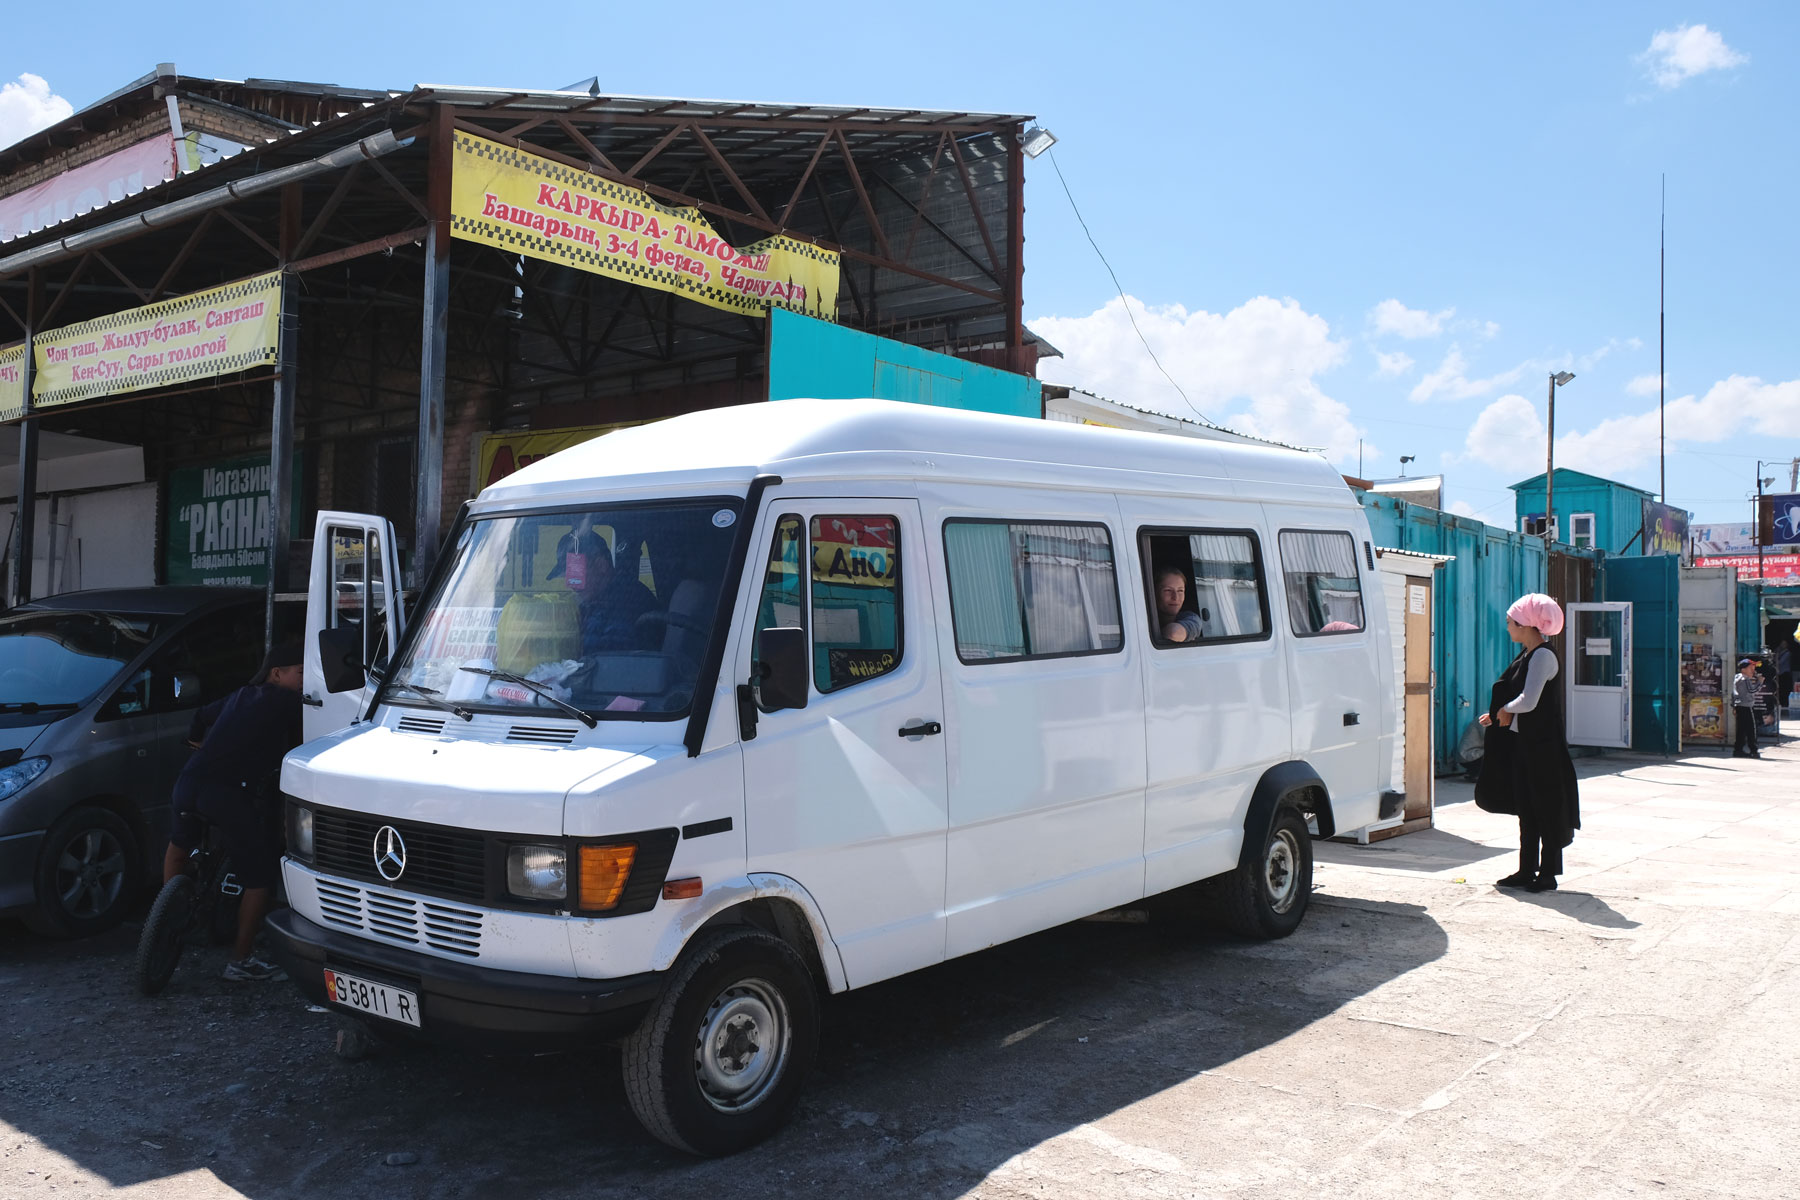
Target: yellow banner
[504,453]
[12,382]
[525,204]
[215,332]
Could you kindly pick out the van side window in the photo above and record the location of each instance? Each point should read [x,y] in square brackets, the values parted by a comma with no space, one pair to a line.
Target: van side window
[1021,590]
[1324,591]
[1205,586]
[783,601]
[855,599]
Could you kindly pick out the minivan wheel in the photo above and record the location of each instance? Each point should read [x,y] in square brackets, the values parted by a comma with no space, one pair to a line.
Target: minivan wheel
[87,874]
[1266,896]
[718,1062]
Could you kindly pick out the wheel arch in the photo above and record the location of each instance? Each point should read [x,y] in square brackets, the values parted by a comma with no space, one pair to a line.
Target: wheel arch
[775,904]
[1292,784]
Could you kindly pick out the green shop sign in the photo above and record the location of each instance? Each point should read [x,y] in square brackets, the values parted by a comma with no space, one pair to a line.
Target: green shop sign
[219,525]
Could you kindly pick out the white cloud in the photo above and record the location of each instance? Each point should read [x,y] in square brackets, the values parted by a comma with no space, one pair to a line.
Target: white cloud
[1391,316]
[1451,380]
[1645,385]
[1508,435]
[1461,508]
[27,106]
[1677,55]
[1397,363]
[1254,368]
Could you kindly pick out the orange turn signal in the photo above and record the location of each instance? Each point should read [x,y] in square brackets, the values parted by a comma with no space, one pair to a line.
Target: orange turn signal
[683,889]
[603,873]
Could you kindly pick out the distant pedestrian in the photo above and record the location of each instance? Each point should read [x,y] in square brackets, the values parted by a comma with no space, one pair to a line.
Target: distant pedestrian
[1745,689]
[1526,770]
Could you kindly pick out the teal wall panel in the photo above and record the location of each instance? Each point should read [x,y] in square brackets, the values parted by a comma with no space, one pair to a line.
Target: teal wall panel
[809,357]
[1653,586]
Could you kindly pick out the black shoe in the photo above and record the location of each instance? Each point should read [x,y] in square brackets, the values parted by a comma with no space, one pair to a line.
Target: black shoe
[1518,879]
[1739,754]
[1543,883]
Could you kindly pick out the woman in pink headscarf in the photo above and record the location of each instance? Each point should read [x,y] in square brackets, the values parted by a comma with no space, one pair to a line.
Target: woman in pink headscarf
[1526,769]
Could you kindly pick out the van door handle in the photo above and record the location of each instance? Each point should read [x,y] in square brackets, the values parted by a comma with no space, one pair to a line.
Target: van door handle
[1352,718]
[921,729]
[311,700]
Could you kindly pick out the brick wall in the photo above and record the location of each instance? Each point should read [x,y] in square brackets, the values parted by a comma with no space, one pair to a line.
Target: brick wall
[228,123]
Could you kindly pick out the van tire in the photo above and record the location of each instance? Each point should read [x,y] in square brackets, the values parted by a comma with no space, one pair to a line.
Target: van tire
[686,1063]
[1266,896]
[87,874]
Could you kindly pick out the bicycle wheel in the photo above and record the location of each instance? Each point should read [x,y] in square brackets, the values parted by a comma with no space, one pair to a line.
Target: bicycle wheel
[164,935]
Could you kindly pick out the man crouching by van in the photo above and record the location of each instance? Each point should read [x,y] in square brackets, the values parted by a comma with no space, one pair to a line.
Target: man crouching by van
[243,738]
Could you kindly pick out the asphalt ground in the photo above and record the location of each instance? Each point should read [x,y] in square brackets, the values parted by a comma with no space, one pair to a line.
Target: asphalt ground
[1423,1034]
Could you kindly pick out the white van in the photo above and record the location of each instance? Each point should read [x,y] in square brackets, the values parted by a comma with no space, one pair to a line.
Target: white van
[705,717]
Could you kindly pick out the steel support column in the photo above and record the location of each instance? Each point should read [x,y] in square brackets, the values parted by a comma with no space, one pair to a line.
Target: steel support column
[1014,286]
[281,451]
[428,507]
[24,516]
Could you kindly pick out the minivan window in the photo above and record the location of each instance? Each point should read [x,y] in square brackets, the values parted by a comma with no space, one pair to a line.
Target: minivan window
[1324,591]
[783,601]
[568,601]
[1218,574]
[63,658]
[1031,590]
[855,599]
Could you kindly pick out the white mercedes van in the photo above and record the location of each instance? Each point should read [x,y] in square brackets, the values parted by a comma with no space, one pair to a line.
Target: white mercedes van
[703,718]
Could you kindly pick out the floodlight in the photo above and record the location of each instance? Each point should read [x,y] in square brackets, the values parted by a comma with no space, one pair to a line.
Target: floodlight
[1037,140]
[1563,378]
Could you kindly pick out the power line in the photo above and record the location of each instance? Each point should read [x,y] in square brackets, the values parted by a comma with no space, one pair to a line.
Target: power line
[1120,289]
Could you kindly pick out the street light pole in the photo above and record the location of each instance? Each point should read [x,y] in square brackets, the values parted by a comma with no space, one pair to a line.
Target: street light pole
[1557,379]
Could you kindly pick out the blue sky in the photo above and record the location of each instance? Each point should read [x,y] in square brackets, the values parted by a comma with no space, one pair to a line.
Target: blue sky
[1335,221]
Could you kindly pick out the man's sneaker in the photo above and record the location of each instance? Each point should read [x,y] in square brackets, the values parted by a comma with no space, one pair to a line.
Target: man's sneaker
[254,970]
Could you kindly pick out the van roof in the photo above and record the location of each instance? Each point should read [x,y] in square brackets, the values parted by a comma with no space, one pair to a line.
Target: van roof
[821,440]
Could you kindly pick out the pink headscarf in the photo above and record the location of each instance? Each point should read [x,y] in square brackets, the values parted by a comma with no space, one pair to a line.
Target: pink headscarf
[1537,611]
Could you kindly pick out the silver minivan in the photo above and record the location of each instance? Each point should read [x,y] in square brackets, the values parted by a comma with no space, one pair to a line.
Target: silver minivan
[97,691]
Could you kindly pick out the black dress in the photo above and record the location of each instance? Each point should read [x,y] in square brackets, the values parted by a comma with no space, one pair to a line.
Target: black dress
[1526,770]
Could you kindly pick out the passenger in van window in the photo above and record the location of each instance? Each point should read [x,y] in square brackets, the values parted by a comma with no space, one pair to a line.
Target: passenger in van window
[1178,622]
[1526,770]
[612,600]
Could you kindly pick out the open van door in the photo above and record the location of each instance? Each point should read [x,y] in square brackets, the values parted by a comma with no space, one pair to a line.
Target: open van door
[356,588]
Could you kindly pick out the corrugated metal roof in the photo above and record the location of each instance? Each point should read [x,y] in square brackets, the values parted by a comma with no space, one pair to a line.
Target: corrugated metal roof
[748,111]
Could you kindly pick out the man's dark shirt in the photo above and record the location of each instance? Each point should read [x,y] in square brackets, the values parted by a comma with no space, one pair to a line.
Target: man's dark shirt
[243,739]
[609,620]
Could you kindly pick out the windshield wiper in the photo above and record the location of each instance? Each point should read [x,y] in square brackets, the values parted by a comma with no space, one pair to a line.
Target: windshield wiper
[32,706]
[580,714]
[431,697]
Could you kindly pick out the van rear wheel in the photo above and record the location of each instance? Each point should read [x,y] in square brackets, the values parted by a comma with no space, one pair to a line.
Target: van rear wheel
[718,1062]
[1266,896]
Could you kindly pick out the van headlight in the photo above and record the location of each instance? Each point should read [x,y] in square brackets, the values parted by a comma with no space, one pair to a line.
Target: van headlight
[300,832]
[537,872]
[18,777]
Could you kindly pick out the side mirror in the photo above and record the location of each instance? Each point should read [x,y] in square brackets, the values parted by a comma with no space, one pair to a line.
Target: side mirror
[782,669]
[187,688]
[340,659]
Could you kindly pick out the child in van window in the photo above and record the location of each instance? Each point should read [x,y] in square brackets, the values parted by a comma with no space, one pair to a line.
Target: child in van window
[1176,621]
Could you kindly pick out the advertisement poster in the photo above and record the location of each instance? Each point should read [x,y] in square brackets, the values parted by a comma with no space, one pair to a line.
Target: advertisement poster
[1702,685]
[1723,539]
[12,382]
[1785,516]
[526,204]
[84,188]
[1665,529]
[215,332]
[503,453]
[1775,564]
[218,530]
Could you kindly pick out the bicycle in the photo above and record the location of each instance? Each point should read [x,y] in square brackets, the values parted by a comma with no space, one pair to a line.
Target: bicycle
[203,898]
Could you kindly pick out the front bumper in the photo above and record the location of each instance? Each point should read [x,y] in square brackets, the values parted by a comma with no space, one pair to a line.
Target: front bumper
[18,871]
[463,1003]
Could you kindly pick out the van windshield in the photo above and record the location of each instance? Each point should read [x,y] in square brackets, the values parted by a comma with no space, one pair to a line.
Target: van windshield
[609,609]
[60,659]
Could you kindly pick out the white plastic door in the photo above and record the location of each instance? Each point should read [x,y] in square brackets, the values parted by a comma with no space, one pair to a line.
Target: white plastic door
[355,582]
[1598,692]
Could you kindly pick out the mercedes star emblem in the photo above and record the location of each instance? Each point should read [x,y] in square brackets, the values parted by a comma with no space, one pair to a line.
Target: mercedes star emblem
[390,853]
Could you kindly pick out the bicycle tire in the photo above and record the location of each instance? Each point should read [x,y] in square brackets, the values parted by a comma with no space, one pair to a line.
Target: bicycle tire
[165,934]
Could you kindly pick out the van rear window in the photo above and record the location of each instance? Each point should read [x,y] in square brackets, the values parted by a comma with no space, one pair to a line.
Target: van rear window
[1031,590]
[1324,590]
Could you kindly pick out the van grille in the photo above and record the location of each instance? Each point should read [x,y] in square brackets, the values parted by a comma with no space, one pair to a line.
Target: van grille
[441,862]
[420,725]
[397,918]
[549,735]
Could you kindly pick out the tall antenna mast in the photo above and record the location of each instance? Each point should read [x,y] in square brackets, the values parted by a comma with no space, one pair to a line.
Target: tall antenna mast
[1662,370]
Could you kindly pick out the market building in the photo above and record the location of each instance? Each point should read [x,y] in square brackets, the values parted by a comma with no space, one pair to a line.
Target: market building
[396,296]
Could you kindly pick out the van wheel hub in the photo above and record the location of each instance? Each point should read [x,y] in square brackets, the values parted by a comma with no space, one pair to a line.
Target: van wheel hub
[741,1045]
[1281,874]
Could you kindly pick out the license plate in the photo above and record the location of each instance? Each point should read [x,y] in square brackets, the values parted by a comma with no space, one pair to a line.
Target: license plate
[376,999]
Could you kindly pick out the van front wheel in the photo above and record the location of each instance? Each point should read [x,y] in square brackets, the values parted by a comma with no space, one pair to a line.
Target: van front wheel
[1267,895]
[718,1062]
